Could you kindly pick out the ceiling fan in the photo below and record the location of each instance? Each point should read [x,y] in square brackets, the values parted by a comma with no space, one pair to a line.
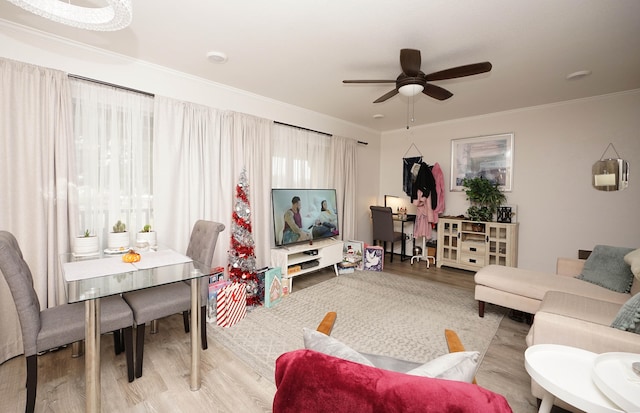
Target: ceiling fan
[413,81]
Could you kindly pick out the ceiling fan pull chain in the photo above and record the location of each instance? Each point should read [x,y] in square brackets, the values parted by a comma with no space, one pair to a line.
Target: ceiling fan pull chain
[413,109]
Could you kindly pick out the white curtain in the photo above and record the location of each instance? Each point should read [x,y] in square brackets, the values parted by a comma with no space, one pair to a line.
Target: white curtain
[202,152]
[36,164]
[300,158]
[251,138]
[343,162]
[113,130]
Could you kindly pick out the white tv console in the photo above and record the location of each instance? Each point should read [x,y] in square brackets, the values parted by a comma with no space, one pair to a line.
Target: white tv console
[329,253]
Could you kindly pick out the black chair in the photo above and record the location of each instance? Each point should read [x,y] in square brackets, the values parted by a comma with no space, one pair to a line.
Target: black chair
[54,327]
[158,302]
[383,227]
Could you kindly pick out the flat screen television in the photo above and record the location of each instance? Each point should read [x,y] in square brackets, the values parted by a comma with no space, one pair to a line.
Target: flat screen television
[304,215]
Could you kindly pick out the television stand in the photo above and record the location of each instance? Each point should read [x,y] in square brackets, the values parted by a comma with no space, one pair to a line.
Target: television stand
[295,259]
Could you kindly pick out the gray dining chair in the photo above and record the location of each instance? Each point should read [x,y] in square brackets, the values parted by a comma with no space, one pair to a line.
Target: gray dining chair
[54,327]
[383,227]
[165,300]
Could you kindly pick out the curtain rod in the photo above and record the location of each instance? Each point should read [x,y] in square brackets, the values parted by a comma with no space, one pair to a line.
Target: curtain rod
[100,82]
[311,130]
[300,127]
[88,79]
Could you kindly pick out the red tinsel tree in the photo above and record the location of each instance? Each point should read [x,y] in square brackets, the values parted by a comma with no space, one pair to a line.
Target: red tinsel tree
[242,259]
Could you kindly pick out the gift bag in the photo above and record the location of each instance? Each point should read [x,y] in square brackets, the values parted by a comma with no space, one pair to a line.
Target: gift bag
[231,304]
[272,287]
[214,289]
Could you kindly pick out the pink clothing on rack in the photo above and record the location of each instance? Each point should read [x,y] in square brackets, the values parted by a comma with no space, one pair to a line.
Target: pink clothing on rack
[438,176]
[424,216]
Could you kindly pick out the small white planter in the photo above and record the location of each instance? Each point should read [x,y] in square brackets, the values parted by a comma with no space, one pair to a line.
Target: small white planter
[148,237]
[86,245]
[118,240]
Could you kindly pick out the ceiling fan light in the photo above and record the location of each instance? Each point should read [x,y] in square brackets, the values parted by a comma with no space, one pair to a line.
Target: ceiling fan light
[115,16]
[410,90]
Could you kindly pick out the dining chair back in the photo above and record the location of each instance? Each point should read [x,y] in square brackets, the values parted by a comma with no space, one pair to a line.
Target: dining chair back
[202,246]
[383,228]
[162,301]
[54,327]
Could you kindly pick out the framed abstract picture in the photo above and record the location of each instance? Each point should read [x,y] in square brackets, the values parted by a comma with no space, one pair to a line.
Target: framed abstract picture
[490,157]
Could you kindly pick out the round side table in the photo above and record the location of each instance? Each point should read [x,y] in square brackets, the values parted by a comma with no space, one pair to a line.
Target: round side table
[612,373]
[565,372]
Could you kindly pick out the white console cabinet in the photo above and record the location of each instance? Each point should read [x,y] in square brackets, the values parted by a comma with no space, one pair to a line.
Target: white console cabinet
[471,245]
[298,259]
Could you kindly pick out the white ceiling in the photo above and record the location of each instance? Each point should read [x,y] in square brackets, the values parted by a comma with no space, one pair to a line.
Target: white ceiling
[299,51]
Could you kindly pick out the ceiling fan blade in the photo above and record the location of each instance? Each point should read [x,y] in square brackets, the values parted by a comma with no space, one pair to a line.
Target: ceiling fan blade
[368,81]
[410,62]
[436,92]
[460,71]
[386,96]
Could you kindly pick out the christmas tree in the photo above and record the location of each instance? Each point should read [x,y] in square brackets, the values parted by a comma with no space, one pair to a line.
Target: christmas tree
[242,259]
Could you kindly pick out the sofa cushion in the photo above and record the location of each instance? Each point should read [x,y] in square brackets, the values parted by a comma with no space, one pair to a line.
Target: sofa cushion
[535,284]
[310,382]
[460,366]
[579,308]
[606,267]
[628,318]
[323,343]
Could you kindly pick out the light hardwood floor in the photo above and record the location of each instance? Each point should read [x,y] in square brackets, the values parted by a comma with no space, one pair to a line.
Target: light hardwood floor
[228,385]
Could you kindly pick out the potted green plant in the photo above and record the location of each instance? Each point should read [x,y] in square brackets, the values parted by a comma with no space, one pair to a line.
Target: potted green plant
[484,196]
[86,244]
[118,239]
[147,235]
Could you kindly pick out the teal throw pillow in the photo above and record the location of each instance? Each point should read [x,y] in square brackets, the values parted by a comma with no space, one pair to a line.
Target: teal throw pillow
[628,317]
[606,267]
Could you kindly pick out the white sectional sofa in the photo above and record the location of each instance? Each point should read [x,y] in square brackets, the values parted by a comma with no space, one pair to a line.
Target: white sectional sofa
[524,290]
[567,310]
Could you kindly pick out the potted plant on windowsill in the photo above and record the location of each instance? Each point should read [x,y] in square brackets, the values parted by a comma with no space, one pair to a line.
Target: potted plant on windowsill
[119,238]
[86,244]
[147,235]
[484,196]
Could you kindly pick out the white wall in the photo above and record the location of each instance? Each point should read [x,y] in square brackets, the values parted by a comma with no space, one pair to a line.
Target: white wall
[555,146]
[25,45]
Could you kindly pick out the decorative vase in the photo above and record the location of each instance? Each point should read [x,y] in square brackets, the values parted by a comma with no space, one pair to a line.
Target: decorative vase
[86,245]
[118,240]
[148,237]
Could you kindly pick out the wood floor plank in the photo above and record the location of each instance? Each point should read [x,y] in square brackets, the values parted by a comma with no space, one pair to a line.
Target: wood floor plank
[229,385]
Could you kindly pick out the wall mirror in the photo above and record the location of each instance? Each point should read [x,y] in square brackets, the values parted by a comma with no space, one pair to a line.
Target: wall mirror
[610,174]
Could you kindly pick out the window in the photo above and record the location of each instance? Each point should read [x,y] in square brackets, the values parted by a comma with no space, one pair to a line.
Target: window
[114,146]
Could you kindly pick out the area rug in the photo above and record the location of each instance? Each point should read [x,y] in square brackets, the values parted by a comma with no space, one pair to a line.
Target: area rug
[378,313]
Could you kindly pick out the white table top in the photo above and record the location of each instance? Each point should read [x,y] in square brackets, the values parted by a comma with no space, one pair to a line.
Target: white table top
[565,372]
[613,374]
[95,277]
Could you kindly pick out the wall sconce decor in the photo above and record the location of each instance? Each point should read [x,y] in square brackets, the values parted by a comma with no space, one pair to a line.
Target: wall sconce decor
[611,174]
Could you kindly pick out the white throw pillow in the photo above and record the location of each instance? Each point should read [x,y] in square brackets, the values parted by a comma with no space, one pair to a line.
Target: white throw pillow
[315,340]
[460,366]
[633,260]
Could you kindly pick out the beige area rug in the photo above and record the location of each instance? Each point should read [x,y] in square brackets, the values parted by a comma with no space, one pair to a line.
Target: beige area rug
[378,313]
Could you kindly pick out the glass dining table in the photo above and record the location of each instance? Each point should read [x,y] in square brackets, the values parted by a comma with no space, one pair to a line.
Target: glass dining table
[89,278]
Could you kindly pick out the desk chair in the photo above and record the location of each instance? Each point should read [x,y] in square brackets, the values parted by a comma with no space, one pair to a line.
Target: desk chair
[165,300]
[383,227]
[54,327]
